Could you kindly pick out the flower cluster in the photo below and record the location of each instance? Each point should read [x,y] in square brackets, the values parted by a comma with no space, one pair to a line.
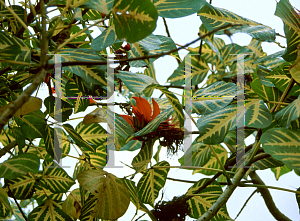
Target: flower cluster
[167,133]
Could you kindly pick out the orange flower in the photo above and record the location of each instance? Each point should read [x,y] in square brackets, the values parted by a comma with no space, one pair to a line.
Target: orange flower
[142,113]
[169,132]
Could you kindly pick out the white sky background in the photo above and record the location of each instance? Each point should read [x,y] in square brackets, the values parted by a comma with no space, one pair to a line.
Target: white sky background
[184,30]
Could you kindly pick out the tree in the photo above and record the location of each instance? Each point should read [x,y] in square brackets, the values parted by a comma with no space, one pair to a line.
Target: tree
[33,44]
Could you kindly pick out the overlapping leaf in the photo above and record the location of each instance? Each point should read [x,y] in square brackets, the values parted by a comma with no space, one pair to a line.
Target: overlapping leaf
[208,100]
[19,165]
[112,194]
[92,75]
[151,183]
[41,195]
[21,187]
[289,113]
[291,21]
[177,8]
[213,18]
[141,160]
[55,178]
[80,103]
[78,139]
[200,154]
[14,49]
[279,171]
[284,145]
[107,38]
[51,211]
[134,20]
[72,205]
[200,204]
[199,70]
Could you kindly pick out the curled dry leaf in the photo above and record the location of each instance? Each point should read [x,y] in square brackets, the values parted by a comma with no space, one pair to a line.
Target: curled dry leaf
[97,116]
[33,104]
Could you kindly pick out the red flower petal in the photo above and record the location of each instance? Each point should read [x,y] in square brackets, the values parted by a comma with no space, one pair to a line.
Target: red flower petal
[129,120]
[156,110]
[144,107]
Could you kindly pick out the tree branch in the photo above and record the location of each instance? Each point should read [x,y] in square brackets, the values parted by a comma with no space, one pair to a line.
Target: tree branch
[209,214]
[74,63]
[7,148]
[268,198]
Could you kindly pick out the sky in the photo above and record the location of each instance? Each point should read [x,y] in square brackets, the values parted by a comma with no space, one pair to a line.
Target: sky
[184,30]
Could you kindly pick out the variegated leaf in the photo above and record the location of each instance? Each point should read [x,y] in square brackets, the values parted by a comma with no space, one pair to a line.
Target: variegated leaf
[55,178]
[279,171]
[19,165]
[213,18]
[80,103]
[4,201]
[15,50]
[41,195]
[173,100]
[112,195]
[90,74]
[177,8]
[284,145]
[213,162]
[22,187]
[207,100]
[50,211]
[72,205]
[81,143]
[134,21]
[289,113]
[287,13]
[200,154]
[151,183]
[135,82]
[266,93]
[141,160]
[107,38]
[199,70]
[153,125]
[200,204]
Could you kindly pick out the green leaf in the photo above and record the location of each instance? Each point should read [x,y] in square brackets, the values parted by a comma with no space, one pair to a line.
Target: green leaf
[287,13]
[19,165]
[199,70]
[72,205]
[78,139]
[200,204]
[32,124]
[207,100]
[279,171]
[153,125]
[4,200]
[91,75]
[112,195]
[88,209]
[266,93]
[107,38]
[213,18]
[41,195]
[152,182]
[14,49]
[213,162]
[104,6]
[262,72]
[141,160]
[177,8]
[134,20]
[214,127]
[201,154]
[55,178]
[281,77]
[134,197]
[135,82]
[21,187]
[80,103]
[282,144]
[298,198]
[288,114]
[132,145]
[173,100]
[51,211]
[266,163]
[66,108]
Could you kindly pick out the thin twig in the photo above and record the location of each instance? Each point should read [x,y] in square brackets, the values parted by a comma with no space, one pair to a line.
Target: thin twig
[18,205]
[252,194]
